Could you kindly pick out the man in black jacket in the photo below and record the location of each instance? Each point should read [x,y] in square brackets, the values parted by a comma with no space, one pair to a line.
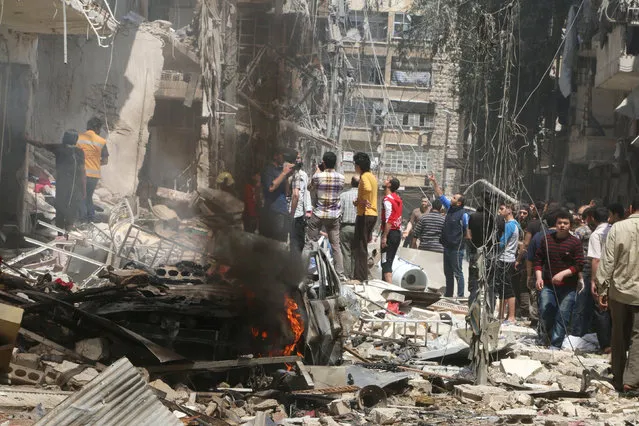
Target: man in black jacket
[453,234]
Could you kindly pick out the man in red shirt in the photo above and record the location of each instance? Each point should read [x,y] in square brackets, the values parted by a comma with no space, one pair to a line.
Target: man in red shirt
[558,261]
[391,227]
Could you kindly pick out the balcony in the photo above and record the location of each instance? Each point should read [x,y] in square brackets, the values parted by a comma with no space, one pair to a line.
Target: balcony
[389,136]
[588,150]
[45,17]
[615,69]
[395,93]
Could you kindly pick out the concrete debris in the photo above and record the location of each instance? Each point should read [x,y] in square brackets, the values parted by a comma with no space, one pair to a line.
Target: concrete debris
[384,416]
[219,333]
[520,367]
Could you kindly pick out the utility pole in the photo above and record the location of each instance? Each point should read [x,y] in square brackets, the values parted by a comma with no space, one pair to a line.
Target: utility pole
[230,85]
[445,149]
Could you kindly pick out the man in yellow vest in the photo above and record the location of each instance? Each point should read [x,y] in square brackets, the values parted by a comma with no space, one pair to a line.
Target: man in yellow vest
[95,155]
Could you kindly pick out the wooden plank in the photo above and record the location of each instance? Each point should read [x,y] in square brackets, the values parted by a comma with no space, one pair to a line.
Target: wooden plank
[307,377]
[222,365]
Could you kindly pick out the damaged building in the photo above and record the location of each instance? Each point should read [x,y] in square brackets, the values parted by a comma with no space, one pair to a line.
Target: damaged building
[402,108]
[597,105]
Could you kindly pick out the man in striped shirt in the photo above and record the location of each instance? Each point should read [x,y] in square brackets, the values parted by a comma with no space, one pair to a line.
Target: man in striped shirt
[558,261]
[428,230]
[327,185]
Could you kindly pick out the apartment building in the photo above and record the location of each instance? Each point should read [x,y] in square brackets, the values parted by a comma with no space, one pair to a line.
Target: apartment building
[601,82]
[402,109]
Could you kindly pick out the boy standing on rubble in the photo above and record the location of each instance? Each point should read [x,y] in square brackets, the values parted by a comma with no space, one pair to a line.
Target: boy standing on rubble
[558,262]
[70,178]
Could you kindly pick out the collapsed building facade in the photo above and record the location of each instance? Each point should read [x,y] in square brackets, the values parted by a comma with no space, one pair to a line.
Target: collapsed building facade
[598,104]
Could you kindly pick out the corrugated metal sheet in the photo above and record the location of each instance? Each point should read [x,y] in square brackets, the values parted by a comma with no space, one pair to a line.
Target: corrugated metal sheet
[118,396]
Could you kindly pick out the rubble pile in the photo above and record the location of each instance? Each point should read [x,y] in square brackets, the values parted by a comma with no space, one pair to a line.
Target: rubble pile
[166,318]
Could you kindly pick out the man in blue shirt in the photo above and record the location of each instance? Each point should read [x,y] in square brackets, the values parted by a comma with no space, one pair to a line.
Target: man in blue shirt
[275,221]
[505,264]
[455,226]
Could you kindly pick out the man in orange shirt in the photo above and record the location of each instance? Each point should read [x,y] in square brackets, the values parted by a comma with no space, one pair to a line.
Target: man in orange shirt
[366,214]
[96,155]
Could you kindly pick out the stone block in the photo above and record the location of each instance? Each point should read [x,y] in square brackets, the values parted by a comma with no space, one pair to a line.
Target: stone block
[267,404]
[520,367]
[21,375]
[328,421]
[171,395]
[477,392]
[421,386]
[518,414]
[94,349]
[524,399]
[27,360]
[384,416]
[339,407]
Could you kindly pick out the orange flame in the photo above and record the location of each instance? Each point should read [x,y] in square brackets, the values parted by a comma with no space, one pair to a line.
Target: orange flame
[297,325]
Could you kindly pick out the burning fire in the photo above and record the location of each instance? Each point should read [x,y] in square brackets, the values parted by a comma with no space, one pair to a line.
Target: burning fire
[297,325]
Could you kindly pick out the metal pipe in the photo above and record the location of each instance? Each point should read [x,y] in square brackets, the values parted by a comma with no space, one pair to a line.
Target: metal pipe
[68,253]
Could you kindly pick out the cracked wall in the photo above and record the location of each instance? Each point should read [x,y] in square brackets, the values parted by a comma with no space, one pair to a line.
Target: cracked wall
[118,82]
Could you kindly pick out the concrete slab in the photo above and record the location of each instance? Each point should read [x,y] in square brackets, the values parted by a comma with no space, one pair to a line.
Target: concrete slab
[520,367]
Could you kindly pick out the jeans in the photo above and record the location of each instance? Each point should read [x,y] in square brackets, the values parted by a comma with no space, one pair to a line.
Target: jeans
[298,233]
[275,225]
[625,339]
[473,273]
[408,240]
[555,311]
[313,228]
[584,309]
[364,226]
[603,327]
[453,270]
[87,209]
[392,245]
[346,238]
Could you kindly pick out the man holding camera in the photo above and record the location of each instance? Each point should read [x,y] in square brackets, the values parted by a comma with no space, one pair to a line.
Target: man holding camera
[301,206]
[328,185]
[275,222]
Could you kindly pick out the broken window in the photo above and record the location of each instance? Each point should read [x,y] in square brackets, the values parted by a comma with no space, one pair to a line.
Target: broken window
[406,161]
[411,115]
[401,25]
[371,70]
[377,24]
[412,72]
[359,112]
[252,34]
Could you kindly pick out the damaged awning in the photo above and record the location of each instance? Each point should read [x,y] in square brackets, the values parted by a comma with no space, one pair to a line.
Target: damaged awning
[47,17]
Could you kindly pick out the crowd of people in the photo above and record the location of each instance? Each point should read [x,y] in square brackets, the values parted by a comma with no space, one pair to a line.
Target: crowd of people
[568,271]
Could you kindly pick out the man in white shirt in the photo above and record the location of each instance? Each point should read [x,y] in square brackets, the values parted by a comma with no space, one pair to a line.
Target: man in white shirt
[300,207]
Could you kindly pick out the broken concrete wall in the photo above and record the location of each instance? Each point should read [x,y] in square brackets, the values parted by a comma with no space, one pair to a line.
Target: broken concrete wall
[17,80]
[117,82]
